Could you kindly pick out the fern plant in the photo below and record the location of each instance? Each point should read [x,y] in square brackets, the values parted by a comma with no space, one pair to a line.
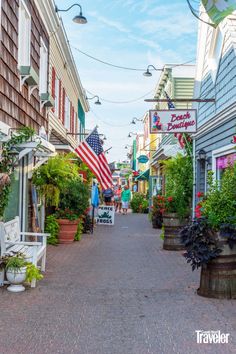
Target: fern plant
[51,177]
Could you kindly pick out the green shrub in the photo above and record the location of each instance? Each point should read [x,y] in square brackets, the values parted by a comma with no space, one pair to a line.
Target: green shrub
[52,227]
[219,203]
[179,183]
[74,200]
[139,204]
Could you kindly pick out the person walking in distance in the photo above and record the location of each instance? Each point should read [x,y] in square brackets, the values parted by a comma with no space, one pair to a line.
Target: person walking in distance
[107,195]
[125,199]
[117,198]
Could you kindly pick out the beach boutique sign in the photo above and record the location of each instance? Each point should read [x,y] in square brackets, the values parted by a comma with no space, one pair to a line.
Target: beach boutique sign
[106,215]
[173,121]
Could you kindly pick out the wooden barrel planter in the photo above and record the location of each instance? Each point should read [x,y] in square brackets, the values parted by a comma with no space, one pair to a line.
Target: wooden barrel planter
[218,277]
[173,225]
[67,230]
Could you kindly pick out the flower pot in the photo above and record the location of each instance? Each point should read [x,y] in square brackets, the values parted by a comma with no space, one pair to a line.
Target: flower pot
[67,230]
[173,225]
[16,277]
[218,277]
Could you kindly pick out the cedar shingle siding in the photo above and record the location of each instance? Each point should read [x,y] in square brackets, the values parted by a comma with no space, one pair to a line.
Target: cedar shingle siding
[15,107]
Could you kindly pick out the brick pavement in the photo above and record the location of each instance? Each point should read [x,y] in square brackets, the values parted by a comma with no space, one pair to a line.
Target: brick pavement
[115,292]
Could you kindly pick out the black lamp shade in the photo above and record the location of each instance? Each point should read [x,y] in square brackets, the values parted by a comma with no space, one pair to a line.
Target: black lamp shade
[80,19]
[202,155]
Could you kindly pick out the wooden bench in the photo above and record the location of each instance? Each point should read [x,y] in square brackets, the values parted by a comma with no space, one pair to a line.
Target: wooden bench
[14,241]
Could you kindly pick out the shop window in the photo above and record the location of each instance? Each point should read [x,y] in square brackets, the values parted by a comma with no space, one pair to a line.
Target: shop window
[222,162]
[24,35]
[43,69]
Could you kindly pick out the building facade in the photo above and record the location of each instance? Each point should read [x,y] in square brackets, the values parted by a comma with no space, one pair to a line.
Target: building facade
[39,88]
[178,83]
[215,79]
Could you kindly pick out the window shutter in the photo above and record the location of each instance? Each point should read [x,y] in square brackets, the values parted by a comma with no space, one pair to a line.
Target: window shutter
[60,110]
[53,82]
[71,118]
[76,123]
[63,105]
[53,85]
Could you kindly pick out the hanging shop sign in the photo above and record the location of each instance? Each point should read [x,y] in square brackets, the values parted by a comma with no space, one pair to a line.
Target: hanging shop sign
[106,215]
[217,10]
[143,159]
[173,121]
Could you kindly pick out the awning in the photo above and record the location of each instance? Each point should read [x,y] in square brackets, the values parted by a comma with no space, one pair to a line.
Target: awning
[144,176]
[166,151]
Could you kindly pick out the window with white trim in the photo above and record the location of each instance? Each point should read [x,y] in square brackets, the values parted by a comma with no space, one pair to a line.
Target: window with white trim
[67,113]
[56,99]
[222,158]
[43,68]
[24,35]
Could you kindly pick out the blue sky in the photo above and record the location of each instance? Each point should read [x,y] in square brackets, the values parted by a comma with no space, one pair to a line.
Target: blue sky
[131,33]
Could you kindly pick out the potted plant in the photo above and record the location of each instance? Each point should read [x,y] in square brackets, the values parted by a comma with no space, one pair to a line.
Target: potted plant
[156,214]
[218,259]
[176,203]
[18,271]
[51,177]
[74,200]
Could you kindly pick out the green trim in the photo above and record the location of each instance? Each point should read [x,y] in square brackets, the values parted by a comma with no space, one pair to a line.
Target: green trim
[47,97]
[33,78]
[144,176]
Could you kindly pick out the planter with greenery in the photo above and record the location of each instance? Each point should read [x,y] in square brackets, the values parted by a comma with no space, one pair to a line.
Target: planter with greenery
[176,204]
[51,178]
[211,244]
[156,214]
[139,203]
[74,200]
[18,271]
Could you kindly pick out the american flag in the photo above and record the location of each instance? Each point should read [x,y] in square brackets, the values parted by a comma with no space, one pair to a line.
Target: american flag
[91,153]
[181,137]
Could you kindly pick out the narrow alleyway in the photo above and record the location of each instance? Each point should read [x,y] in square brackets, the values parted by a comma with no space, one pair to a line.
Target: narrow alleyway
[115,292]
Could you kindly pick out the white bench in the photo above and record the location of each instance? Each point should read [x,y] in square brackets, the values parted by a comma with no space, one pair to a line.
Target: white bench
[14,241]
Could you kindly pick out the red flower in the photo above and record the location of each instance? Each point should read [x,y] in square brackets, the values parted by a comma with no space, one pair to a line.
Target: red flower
[170,199]
[162,211]
[234,139]
[200,194]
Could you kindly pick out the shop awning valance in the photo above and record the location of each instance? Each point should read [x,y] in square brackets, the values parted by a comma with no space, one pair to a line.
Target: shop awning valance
[144,176]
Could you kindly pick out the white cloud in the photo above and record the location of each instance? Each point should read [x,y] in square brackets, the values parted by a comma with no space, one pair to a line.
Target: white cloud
[113,24]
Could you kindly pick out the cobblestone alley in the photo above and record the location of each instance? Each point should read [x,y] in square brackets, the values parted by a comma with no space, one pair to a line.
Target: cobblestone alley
[115,292]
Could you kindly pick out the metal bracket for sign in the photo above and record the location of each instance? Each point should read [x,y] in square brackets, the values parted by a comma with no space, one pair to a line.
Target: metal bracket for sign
[180,100]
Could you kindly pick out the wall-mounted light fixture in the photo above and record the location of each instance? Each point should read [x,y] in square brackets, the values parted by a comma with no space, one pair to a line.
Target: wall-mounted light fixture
[80,19]
[148,73]
[96,102]
[130,134]
[134,120]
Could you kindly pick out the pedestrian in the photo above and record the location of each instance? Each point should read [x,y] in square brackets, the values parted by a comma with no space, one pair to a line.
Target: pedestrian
[108,194]
[117,198]
[125,199]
